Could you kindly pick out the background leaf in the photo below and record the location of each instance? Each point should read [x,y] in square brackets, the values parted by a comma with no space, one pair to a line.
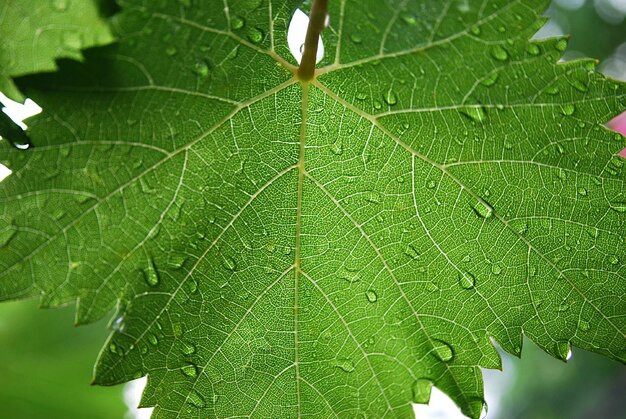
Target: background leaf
[35,33]
[330,249]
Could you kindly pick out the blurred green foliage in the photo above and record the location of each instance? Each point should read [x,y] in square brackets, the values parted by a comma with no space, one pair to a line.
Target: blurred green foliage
[46,365]
[588,386]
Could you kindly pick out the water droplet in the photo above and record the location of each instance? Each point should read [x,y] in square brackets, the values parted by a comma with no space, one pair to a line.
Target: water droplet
[421,390]
[113,348]
[171,51]
[490,80]
[475,30]
[189,348]
[496,269]
[192,285]
[390,97]
[614,260]
[563,350]
[7,232]
[552,90]
[337,147]
[237,22]
[561,44]
[412,252]
[482,209]
[201,68]
[356,38]
[499,53]
[345,364]
[350,275]
[151,274]
[533,49]
[619,207]
[467,280]
[190,370]
[229,263]
[442,350]
[582,191]
[584,325]
[475,113]
[409,19]
[255,35]
[373,197]
[564,306]
[432,287]
[196,399]
[153,339]
[60,5]
[431,184]
[580,86]
[177,261]
[568,110]
[371,295]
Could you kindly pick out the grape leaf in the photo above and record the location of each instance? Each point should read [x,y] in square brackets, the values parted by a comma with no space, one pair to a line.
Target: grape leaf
[34,33]
[277,248]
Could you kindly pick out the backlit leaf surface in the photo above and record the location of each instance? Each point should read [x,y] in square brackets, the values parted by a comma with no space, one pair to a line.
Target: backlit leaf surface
[328,249]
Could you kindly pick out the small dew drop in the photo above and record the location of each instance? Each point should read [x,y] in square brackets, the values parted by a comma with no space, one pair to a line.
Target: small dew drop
[568,110]
[229,263]
[192,285]
[563,350]
[7,232]
[619,207]
[190,370]
[337,147]
[482,209]
[580,86]
[614,260]
[475,113]
[255,35]
[412,252]
[582,191]
[373,197]
[196,399]
[409,19]
[189,348]
[467,280]
[345,364]
[496,269]
[151,274]
[201,68]
[152,338]
[475,30]
[421,391]
[237,22]
[533,49]
[499,53]
[356,38]
[371,295]
[442,351]
[390,97]
[584,325]
[490,80]
[350,275]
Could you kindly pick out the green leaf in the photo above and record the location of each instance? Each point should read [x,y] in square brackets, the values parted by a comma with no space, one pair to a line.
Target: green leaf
[35,33]
[326,249]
